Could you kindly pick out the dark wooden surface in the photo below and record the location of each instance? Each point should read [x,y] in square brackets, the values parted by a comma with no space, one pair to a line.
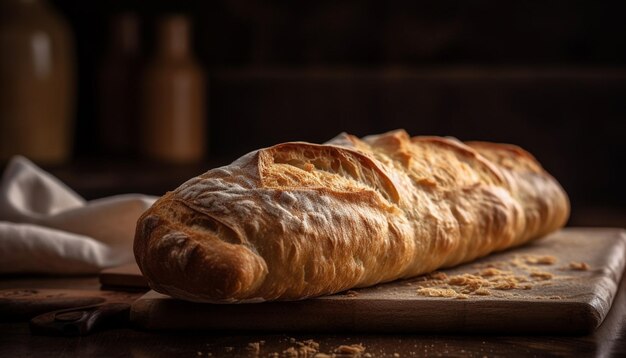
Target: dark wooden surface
[15,340]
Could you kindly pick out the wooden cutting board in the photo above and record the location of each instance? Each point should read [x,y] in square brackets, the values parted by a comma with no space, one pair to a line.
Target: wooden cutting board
[125,277]
[564,283]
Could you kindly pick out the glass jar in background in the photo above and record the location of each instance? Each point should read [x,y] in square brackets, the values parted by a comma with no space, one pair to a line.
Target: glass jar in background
[36,82]
[173,97]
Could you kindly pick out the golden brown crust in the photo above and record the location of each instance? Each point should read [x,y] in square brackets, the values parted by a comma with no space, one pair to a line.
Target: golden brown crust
[298,220]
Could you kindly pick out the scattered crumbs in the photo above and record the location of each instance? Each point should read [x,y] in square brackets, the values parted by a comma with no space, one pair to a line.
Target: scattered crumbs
[304,349]
[254,347]
[579,266]
[229,349]
[322,355]
[493,278]
[541,275]
[351,293]
[492,271]
[353,349]
[310,344]
[396,354]
[437,292]
[556,297]
[290,352]
[540,260]
[507,283]
[524,260]
[468,281]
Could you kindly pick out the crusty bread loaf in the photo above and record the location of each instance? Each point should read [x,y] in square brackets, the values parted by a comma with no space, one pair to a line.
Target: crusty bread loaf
[298,220]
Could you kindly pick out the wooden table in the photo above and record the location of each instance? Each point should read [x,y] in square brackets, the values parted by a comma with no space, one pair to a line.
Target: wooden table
[16,341]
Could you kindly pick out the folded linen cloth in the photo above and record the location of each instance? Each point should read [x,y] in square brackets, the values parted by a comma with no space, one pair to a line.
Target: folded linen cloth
[45,227]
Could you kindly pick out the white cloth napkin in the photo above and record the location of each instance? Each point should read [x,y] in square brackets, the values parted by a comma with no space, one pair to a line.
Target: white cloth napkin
[45,227]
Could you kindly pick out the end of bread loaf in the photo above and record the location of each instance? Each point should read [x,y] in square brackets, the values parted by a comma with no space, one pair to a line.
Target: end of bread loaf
[195,256]
[547,203]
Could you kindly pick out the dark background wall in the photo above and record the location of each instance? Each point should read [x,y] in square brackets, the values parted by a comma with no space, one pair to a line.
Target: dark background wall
[549,76]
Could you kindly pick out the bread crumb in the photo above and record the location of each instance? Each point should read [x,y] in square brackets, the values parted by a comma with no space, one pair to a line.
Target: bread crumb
[351,293]
[322,355]
[491,272]
[470,282]
[309,167]
[542,275]
[506,283]
[229,349]
[482,292]
[541,260]
[290,352]
[304,349]
[273,355]
[353,349]
[309,343]
[437,292]
[523,261]
[579,266]
[199,353]
[556,297]
[254,347]
[396,354]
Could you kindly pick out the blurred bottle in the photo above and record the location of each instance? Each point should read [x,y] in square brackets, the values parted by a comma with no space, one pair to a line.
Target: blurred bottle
[118,87]
[173,110]
[36,82]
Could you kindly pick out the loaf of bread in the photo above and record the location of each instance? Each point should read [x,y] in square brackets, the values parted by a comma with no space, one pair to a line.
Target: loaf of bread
[299,220]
